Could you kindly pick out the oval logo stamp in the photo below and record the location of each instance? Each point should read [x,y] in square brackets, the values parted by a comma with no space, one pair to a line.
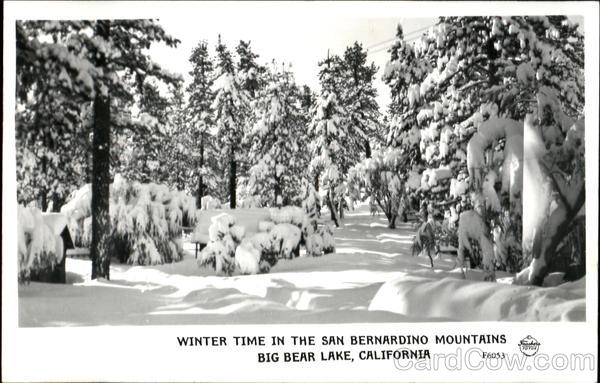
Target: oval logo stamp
[529,345]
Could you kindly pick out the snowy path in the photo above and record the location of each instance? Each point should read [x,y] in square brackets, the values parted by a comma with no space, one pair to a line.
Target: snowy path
[371,278]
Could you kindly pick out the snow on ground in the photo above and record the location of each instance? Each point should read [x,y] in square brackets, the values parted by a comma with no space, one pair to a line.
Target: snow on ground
[372,277]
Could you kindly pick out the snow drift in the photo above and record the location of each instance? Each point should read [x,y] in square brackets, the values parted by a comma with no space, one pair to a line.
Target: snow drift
[467,300]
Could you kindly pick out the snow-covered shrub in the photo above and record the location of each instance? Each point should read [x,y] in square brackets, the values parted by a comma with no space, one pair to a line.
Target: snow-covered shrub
[38,246]
[286,239]
[250,202]
[326,233]
[265,226]
[311,204]
[269,255]
[382,180]
[220,251]
[288,214]
[247,257]
[314,245]
[471,227]
[255,254]
[79,210]
[146,220]
[209,203]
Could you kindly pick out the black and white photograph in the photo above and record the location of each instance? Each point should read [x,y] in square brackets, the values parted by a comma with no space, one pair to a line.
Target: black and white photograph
[236,170]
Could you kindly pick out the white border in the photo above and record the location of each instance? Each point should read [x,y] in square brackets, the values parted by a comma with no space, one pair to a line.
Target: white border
[150,353]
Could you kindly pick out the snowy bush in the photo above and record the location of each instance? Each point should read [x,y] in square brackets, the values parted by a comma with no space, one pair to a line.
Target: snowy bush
[286,239]
[220,251]
[38,246]
[326,233]
[209,203]
[382,180]
[314,245]
[230,249]
[146,220]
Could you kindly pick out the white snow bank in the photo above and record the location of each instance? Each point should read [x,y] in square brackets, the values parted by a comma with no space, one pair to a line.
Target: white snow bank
[464,300]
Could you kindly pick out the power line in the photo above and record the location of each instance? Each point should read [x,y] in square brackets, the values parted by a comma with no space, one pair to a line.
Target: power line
[380,49]
[394,38]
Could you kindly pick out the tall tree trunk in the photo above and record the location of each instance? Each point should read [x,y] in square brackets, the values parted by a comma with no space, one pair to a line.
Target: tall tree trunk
[101,175]
[200,177]
[367,148]
[332,209]
[341,208]
[232,179]
[392,220]
[277,191]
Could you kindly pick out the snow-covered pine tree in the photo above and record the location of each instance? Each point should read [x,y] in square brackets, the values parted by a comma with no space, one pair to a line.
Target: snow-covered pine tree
[277,142]
[230,108]
[251,76]
[481,77]
[92,59]
[248,70]
[200,121]
[52,116]
[329,147]
[142,157]
[174,160]
[358,97]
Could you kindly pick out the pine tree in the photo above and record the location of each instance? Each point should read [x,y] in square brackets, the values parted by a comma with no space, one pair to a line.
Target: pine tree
[95,68]
[174,159]
[330,161]
[277,142]
[359,99]
[52,116]
[460,94]
[230,107]
[201,116]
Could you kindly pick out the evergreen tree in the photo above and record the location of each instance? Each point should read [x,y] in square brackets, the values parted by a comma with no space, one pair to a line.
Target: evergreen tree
[92,67]
[359,99]
[174,159]
[277,142]
[230,108]
[460,94]
[330,147]
[201,118]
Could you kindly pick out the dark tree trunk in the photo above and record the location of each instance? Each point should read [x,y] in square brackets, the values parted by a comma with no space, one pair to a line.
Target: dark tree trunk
[332,209]
[44,201]
[316,183]
[278,192]
[392,220]
[200,177]
[101,175]
[232,180]
[367,149]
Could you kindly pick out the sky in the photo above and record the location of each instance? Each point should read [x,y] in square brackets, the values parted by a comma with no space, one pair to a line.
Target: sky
[294,40]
